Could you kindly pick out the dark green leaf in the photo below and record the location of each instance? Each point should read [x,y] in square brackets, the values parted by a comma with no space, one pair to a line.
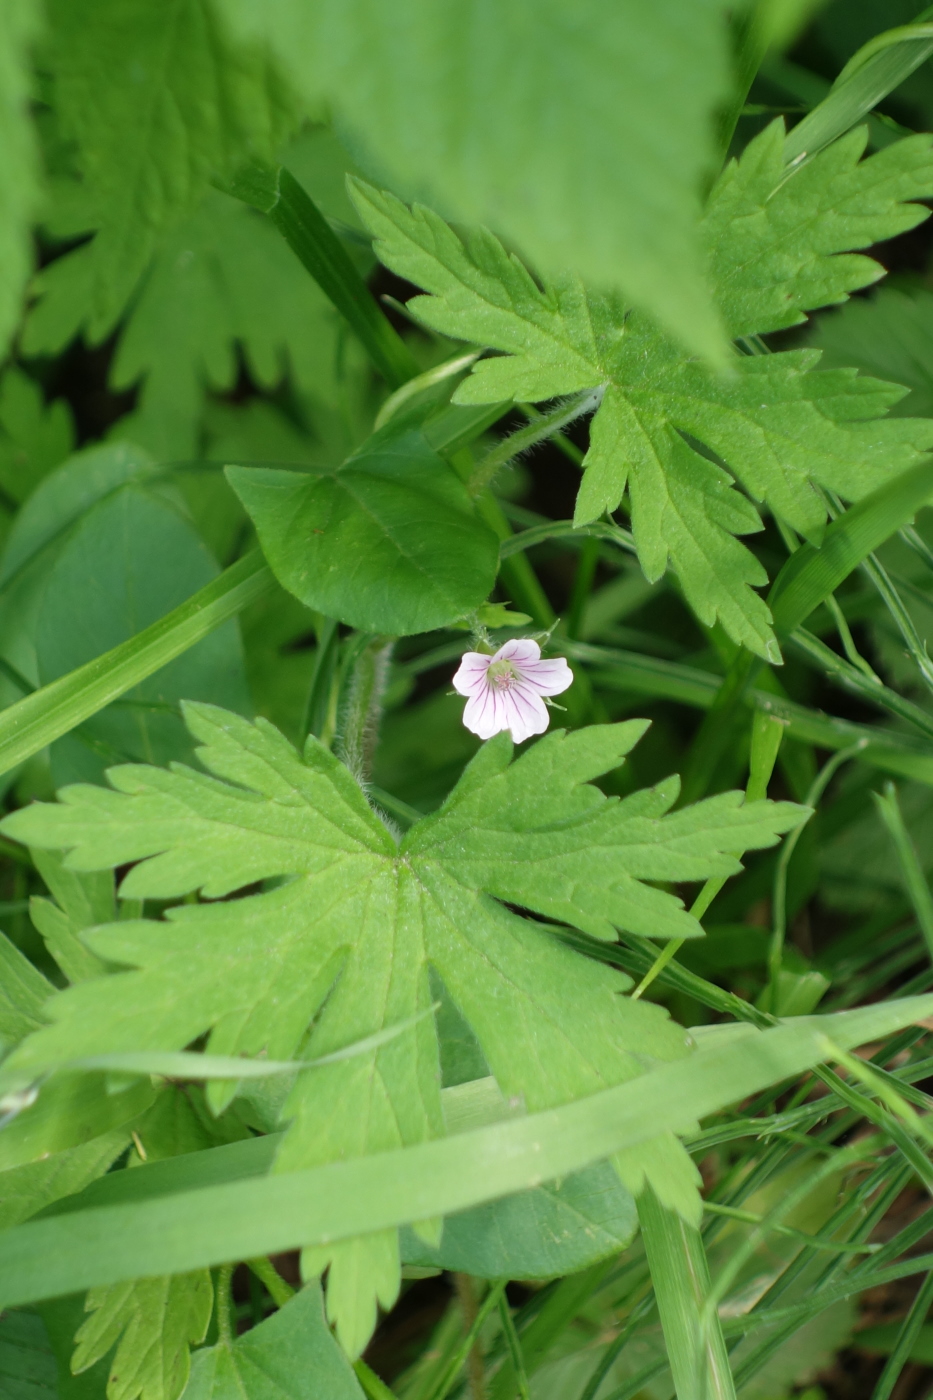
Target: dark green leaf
[288,1357]
[555,1229]
[387,542]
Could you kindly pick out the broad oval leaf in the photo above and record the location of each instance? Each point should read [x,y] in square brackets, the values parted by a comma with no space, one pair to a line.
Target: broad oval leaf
[387,542]
[552,1230]
[132,559]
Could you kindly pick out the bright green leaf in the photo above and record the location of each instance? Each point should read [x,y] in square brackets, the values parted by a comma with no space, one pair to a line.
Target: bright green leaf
[68,1113]
[23,990]
[366,919]
[387,542]
[777,422]
[152,1321]
[30,1187]
[83,898]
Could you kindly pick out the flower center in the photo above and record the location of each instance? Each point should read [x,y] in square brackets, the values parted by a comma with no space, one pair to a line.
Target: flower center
[502,674]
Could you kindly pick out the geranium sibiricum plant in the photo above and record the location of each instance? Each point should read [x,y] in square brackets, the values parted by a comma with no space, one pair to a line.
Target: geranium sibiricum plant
[467,733]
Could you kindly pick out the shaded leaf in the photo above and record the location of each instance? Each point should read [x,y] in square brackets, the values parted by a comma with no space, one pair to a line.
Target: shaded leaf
[131,560]
[478,109]
[156,101]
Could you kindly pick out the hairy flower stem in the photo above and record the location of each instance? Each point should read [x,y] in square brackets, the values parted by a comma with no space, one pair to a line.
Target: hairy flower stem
[359,729]
[476,1370]
[544,426]
[226,1323]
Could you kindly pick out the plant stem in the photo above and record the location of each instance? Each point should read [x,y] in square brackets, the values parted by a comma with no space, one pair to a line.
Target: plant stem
[279,1291]
[359,730]
[476,1369]
[226,1323]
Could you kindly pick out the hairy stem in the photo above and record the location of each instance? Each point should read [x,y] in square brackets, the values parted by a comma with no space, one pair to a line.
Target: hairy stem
[359,730]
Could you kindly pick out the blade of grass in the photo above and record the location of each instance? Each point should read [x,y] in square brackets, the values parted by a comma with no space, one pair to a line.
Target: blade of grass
[514,1345]
[633,672]
[249,1218]
[812,574]
[696,1351]
[906,1337]
[456,1365]
[915,881]
[779,900]
[306,231]
[30,724]
[868,77]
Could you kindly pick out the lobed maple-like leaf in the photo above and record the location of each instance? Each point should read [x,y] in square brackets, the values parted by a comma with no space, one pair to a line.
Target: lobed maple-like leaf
[153,1322]
[344,940]
[777,241]
[155,101]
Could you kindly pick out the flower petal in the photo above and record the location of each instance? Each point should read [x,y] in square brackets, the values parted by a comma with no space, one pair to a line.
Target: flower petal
[547,677]
[471,674]
[521,650]
[484,714]
[527,713]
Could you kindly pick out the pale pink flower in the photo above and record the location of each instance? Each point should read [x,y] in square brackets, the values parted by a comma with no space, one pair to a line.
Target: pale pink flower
[504,691]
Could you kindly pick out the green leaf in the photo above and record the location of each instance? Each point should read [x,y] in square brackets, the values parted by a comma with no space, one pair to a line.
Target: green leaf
[69,1112]
[608,187]
[556,1229]
[34,436]
[32,1186]
[39,719]
[889,335]
[387,542]
[695,1347]
[28,1370]
[365,920]
[19,186]
[780,246]
[812,574]
[152,1321]
[23,991]
[82,900]
[221,286]
[243,1219]
[309,235]
[779,424]
[155,102]
[132,559]
[277,1359]
[63,498]
[62,1318]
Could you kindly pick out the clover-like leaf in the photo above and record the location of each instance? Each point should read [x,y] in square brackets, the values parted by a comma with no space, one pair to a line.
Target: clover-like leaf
[344,939]
[388,542]
[778,243]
